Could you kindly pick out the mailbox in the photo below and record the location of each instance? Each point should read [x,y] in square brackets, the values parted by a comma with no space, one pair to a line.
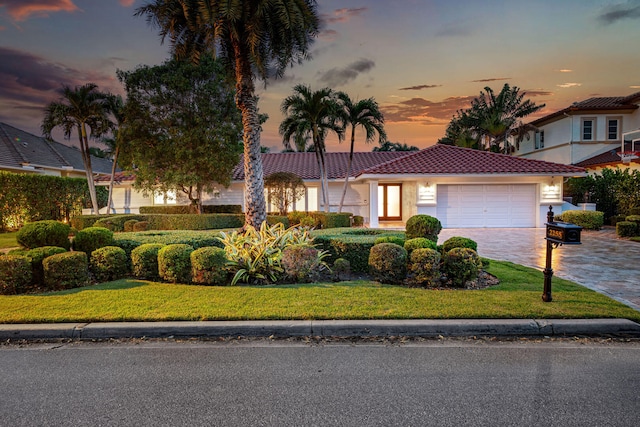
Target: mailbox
[564,233]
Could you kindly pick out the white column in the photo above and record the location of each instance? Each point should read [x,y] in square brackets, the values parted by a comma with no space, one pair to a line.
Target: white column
[373,204]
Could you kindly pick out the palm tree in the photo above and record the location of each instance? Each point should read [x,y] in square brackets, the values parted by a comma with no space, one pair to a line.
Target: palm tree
[115,106]
[366,114]
[314,114]
[78,109]
[253,38]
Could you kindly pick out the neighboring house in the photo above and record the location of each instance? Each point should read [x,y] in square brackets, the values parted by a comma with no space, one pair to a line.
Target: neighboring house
[463,188]
[580,133]
[23,152]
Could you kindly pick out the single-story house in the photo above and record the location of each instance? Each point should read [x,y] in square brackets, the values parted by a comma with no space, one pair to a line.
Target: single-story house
[23,152]
[463,188]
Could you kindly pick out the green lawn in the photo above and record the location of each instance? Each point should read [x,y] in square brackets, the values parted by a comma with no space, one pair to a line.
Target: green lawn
[518,296]
[8,240]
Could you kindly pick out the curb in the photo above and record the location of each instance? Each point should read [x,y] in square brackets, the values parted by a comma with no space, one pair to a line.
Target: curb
[324,328]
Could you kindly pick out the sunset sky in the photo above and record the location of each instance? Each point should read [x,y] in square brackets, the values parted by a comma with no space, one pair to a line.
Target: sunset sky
[420,59]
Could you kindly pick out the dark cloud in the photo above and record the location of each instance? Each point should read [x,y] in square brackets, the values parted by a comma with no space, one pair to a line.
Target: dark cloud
[341,76]
[493,79]
[419,87]
[618,12]
[21,10]
[342,15]
[537,92]
[420,110]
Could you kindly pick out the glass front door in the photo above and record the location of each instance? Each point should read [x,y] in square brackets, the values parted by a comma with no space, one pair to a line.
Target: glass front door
[390,201]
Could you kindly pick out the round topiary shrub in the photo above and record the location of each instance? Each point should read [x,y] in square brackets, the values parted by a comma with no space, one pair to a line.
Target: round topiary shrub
[44,233]
[89,239]
[37,255]
[341,269]
[389,239]
[423,226]
[128,225]
[302,263]
[358,221]
[105,223]
[144,261]
[15,274]
[109,263]
[174,263]
[141,226]
[461,265]
[208,266]
[388,263]
[626,229]
[424,267]
[419,243]
[66,271]
[459,242]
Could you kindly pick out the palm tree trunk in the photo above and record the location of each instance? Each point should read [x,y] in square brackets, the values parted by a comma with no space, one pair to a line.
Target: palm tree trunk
[346,178]
[111,181]
[255,205]
[84,149]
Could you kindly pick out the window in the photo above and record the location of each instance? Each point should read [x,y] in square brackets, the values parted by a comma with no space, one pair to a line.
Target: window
[588,129]
[613,128]
[168,198]
[390,201]
[539,139]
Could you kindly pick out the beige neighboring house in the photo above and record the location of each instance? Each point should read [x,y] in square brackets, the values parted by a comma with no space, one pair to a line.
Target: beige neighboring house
[463,188]
[588,133]
[23,152]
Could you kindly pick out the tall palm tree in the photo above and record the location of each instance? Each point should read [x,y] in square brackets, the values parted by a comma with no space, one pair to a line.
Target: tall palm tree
[366,114]
[79,108]
[314,114]
[115,106]
[253,38]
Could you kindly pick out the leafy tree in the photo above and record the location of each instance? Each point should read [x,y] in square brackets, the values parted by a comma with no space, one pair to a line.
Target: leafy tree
[79,108]
[491,120]
[395,146]
[366,114]
[284,190]
[253,38]
[115,106]
[181,126]
[313,113]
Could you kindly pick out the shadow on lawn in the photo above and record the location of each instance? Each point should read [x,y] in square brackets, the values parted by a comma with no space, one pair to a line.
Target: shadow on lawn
[107,286]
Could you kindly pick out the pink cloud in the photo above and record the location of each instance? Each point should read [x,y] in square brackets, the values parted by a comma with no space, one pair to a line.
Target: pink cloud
[343,15]
[21,10]
[127,3]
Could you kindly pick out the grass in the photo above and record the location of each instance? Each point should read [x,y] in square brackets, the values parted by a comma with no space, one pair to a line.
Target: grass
[8,240]
[518,296]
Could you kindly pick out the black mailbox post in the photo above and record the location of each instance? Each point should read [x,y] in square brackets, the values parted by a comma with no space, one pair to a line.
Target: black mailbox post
[558,233]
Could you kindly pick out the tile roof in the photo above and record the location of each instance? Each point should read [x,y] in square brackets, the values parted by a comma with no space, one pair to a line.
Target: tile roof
[18,147]
[609,157]
[449,160]
[629,102]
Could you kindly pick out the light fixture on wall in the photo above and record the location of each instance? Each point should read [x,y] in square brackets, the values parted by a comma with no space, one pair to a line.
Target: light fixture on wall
[426,192]
[551,190]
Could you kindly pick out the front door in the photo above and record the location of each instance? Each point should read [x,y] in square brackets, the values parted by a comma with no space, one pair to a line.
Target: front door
[390,202]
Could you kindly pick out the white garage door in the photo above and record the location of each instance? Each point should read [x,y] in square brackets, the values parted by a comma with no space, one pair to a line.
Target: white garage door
[475,206]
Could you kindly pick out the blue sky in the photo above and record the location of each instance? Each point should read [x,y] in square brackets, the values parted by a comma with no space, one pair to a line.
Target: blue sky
[420,59]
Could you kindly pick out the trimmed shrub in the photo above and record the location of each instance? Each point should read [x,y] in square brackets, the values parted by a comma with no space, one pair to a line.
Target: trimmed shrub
[633,218]
[20,251]
[275,219]
[589,220]
[189,209]
[44,233]
[208,266]
[174,263]
[144,261]
[194,222]
[423,226]
[616,219]
[341,269]
[80,222]
[140,226]
[109,263]
[331,219]
[389,239]
[459,242]
[295,217]
[419,243]
[15,274]
[92,238]
[461,265]
[358,221]
[626,229]
[128,225]
[388,263]
[424,267]
[634,211]
[128,245]
[37,255]
[105,223]
[196,239]
[66,271]
[116,222]
[302,263]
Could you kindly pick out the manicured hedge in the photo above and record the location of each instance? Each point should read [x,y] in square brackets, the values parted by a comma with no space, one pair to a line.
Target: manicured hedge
[331,219]
[190,209]
[44,233]
[195,239]
[589,220]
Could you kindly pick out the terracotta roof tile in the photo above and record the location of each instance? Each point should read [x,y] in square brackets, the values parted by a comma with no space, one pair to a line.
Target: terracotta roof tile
[449,160]
[609,157]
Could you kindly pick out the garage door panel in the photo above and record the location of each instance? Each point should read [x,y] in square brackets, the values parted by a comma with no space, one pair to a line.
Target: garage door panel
[472,206]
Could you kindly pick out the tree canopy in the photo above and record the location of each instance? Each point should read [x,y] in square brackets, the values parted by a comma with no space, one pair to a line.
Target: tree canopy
[181,127]
[394,146]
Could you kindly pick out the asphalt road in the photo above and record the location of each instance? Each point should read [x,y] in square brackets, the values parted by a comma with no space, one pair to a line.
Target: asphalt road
[452,382]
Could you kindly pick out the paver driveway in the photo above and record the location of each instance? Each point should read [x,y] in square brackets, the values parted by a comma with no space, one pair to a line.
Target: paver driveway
[603,262]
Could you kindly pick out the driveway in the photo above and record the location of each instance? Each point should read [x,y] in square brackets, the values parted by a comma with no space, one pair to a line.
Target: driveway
[602,262]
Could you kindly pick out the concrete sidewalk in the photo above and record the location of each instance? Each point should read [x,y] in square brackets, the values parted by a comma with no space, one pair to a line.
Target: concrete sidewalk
[324,328]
